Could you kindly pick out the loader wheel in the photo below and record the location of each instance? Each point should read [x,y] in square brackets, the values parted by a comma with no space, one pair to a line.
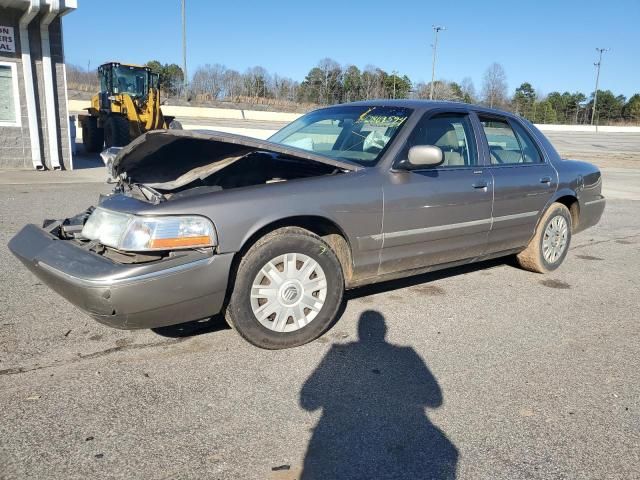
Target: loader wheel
[116,131]
[92,136]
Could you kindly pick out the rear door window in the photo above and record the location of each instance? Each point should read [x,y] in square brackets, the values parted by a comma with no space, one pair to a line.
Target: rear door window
[504,146]
[530,152]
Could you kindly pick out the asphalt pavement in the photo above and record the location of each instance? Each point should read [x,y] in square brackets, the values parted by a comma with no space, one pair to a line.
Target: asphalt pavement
[485,372]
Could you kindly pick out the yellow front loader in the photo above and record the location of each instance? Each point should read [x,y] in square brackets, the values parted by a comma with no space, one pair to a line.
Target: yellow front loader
[127,106]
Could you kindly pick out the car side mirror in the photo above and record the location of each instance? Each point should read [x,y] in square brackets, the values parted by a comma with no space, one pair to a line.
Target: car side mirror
[424,156]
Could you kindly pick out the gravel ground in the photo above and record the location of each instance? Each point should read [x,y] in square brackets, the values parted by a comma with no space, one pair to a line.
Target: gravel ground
[486,372]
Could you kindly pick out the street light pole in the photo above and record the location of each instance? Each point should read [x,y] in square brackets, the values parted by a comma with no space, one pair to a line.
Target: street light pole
[436,30]
[184,48]
[595,95]
[394,73]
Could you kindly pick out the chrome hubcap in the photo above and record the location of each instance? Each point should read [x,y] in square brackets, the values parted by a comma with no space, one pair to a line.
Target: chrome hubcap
[554,240]
[288,292]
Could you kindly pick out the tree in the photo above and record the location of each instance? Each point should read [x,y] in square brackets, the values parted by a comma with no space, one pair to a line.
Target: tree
[494,87]
[330,81]
[209,80]
[311,87]
[171,76]
[456,90]
[544,112]
[523,100]
[631,109]
[352,84]
[373,82]
[255,82]
[468,90]
[395,86]
[609,106]
[232,84]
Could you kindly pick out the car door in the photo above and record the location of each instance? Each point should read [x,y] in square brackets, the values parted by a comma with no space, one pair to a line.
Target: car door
[523,181]
[441,214]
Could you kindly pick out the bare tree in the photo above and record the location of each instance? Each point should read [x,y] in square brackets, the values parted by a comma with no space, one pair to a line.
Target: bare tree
[442,90]
[372,82]
[81,79]
[494,87]
[468,90]
[255,82]
[232,84]
[209,80]
[331,80]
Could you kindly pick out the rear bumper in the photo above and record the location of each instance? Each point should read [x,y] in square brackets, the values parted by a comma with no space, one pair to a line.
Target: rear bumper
[590,213]
[189,286]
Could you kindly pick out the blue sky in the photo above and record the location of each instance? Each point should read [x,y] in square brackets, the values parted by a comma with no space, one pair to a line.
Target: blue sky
[551,44]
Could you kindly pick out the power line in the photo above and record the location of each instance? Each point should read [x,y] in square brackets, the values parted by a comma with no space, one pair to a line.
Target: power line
[436,30]
[595,95]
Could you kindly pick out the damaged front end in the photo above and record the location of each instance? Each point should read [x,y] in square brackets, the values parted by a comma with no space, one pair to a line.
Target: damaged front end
[133,270]
[163,165]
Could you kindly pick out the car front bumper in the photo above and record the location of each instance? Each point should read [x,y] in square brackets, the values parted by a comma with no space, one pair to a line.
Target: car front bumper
[187,286]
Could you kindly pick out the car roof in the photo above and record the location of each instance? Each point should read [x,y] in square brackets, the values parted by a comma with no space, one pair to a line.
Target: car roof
[427,105]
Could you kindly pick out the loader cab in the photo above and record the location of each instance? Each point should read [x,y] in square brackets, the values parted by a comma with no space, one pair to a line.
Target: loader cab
[118,79]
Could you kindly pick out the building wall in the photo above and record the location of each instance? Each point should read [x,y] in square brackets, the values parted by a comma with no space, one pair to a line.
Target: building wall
[15,147]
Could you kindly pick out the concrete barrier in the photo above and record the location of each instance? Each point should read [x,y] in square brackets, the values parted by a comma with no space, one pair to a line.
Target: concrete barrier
[235,114]
[587,128]
[207,112]
[260,133]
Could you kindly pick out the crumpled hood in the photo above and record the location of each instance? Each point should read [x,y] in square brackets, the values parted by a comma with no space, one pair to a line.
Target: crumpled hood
[164,155]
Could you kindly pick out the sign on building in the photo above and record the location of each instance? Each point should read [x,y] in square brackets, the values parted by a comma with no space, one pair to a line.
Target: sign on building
[7,43]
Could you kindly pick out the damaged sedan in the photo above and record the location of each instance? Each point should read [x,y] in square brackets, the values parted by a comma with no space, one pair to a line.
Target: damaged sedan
[271,233]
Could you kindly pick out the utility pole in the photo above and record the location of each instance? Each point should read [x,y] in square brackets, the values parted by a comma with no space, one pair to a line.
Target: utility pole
[394,73]
[595,95]
[185,78]
[436,30]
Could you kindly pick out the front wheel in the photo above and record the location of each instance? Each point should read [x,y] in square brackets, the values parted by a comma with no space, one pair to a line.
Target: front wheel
[550,244]
[288,290]
[116,131]
[92,136]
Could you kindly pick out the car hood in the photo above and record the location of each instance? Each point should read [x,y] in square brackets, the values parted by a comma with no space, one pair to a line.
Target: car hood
[160,155]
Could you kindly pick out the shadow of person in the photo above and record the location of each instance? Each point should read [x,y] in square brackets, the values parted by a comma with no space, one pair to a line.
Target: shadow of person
[373,396]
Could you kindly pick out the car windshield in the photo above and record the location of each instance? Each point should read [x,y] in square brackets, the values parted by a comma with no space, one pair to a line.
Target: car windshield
[356,133]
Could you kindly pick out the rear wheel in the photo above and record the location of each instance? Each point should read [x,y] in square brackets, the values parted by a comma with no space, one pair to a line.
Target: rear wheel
[92,136]
[116,131]
[550,244]
[288,290]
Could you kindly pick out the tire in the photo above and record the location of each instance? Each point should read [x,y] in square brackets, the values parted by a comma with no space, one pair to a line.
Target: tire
[546,251]
[116,131]
[92,136]
[283,305]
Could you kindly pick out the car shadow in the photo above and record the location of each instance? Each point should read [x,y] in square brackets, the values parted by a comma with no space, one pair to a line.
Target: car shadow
[217,322]
[373,396]
[192,329]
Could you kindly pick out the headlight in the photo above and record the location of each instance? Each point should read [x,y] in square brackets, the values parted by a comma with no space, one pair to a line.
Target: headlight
[140,233]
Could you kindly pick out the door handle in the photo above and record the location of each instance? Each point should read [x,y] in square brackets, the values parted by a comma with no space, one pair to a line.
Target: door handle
[545,180]
[480,184]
